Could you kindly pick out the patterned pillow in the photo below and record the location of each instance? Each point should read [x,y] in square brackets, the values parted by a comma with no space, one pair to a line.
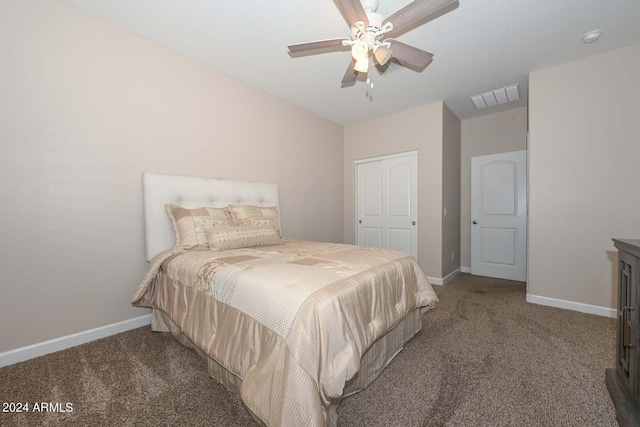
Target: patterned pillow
[223,238]
[247,215]
[190,225]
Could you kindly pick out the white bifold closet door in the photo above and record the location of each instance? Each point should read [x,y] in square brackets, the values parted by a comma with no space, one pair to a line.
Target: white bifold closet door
[387,202]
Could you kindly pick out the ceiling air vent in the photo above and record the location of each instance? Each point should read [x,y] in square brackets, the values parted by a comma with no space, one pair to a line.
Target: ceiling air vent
[496,97]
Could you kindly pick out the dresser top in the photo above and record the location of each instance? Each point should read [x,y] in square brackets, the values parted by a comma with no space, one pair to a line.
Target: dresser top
[628,245]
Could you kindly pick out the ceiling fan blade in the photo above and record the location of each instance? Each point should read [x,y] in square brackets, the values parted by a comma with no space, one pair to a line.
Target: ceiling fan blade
[410,56]
[352,11]
[351,75]
[321,44]
[414,12]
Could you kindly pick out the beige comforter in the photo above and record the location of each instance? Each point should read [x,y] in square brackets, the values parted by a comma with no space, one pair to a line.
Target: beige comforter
[291,321]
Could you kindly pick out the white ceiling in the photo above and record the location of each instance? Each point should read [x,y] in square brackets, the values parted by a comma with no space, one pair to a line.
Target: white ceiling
[479,46]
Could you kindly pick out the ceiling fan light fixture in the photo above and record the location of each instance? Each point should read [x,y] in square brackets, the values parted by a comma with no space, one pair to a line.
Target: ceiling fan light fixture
[360,50]
[382,54]
[362,65]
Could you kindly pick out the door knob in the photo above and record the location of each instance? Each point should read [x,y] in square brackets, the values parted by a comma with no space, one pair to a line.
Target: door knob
[360,221]
[413,223]
[475,222]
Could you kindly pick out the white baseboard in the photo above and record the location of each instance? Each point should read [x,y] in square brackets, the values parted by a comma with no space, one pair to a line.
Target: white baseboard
[465,269]
[572,305]
[443,281]
[40,349]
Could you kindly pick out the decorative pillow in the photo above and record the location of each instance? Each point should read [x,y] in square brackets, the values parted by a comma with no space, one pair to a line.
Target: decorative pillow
[190,225]
[247,215]
[223,238]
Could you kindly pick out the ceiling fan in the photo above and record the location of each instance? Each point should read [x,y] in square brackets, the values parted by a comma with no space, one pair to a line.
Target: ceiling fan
[369,30]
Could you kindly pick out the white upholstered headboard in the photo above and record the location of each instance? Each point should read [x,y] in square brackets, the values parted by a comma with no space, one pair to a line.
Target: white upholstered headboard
[193,192]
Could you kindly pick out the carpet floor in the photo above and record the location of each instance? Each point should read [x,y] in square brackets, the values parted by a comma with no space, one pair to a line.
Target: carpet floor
[484,357]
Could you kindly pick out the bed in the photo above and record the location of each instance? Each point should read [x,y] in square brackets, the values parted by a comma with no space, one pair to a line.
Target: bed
[290,326]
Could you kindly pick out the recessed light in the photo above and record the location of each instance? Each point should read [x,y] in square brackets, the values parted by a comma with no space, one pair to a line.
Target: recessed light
[592,36]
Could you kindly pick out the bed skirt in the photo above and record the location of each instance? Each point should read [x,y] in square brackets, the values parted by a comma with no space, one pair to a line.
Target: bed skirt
[372,363]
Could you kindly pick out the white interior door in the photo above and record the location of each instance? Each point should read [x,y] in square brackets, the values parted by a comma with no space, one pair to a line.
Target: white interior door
[387,203]
[499,215]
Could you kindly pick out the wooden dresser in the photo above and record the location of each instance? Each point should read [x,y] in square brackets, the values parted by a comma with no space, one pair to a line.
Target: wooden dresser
[623,382]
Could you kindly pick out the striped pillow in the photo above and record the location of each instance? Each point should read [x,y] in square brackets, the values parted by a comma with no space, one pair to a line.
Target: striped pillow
[223,238]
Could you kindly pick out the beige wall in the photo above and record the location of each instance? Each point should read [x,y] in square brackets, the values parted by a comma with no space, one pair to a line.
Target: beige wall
[492,134]
[85,107]
[414,129]
[451,140]
[584,170]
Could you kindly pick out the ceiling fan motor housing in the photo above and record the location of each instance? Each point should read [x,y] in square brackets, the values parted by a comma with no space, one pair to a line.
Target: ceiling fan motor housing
[372,32]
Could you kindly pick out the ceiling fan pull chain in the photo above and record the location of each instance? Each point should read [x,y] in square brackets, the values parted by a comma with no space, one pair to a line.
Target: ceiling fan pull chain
[366,91]
[369,92]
